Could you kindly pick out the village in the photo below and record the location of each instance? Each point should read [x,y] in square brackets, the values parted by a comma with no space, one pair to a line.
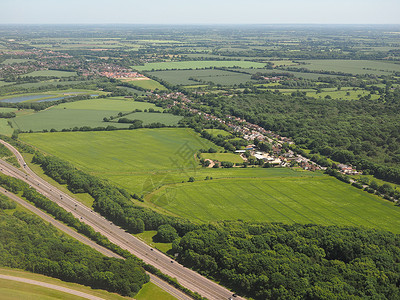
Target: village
[277,157]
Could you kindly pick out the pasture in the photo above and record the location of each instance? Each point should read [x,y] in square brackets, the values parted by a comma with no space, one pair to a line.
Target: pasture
[202,64]
[89,113]
[196,77]
[352,66]
[51,73]
[157,163]
[148,84]
[10,61]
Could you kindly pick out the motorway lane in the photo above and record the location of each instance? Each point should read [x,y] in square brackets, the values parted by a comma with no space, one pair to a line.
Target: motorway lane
[185,277]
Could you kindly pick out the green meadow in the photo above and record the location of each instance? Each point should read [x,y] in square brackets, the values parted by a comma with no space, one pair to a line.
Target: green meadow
[218,132]
[352,66]
[180,65]
[189,77]
[320,200]
[90,113]
[157,163]
[148,84]
[52,73]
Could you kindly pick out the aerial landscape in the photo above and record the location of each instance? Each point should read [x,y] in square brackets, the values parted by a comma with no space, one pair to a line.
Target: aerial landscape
[182,152]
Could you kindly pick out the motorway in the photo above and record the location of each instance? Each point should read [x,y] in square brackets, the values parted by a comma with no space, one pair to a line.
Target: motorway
[115,234]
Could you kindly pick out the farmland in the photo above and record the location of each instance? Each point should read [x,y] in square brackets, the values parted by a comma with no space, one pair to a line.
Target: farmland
[185,77]
[52,73]
[352,66]
[148,84]
[320,200]
[89,113]
[142,162]
[197,65]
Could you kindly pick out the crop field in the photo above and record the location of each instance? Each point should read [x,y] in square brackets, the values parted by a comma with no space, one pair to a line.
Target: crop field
[321,200]
[353,66]
[52,73]
[234,158]
[12,290]
[148,84]
[88,113]
[158,162]
[181,77]
[52,82]
[122,152]
[181,65]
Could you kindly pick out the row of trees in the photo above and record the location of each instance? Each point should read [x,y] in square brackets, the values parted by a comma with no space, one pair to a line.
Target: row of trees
[26,242]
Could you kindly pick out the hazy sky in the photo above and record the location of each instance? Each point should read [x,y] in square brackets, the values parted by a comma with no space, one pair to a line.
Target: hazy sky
[199,12]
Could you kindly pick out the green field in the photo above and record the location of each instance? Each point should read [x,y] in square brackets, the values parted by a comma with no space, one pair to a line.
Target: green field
[320,200]
[218,132]
[147,237]
[150,291]
[181,65]
[22,291]
[52,73]
[235,158]
[182,77]
[89,113]
[148,84]
[352,66]
[3,83]
[158,162]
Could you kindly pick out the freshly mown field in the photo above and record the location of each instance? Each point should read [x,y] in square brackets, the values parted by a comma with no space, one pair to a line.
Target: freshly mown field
[352,66]
[195,77]
[52,73]
[180,65]
[157,163]
[90,113]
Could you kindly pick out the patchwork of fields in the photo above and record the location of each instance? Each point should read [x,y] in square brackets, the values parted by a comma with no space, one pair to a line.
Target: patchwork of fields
[90,113]
[193,77]
[180,65]
[158,162]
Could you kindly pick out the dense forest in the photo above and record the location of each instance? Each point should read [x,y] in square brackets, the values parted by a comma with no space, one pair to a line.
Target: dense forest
[26,242]
[276,261]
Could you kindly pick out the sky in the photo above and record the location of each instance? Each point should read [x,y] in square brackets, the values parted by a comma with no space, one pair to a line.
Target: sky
[199,12]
